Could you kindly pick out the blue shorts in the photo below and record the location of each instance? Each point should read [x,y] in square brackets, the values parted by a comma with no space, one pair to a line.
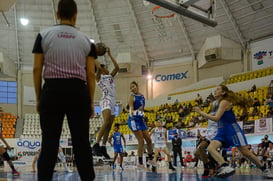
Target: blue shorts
[231,135]
[137,123]
[118,149]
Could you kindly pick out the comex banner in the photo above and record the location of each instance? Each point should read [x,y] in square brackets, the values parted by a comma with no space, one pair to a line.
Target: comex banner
[171,77]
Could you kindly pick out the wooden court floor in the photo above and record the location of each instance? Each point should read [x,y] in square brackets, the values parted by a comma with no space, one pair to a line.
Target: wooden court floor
[131,174]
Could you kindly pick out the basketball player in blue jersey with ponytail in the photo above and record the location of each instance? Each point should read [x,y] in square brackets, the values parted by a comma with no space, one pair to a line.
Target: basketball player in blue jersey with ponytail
[229,132]
[117,144]
[137,125]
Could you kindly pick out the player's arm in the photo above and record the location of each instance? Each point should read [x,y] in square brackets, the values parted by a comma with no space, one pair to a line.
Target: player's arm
[90,66]
[166,138]
[152,132]
[98,70]
[224,105]
[37,76]
[5,142]
[110,140]
[131,104]
[124,141]
[116,66]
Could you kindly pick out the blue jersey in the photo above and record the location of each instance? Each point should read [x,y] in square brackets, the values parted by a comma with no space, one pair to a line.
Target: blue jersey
[227,118]
[139,101]
[117,139]
[229,131]
[136,120]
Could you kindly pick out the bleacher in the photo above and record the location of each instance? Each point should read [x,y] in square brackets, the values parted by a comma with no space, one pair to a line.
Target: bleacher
[8,125]
[249,75]
[31,127]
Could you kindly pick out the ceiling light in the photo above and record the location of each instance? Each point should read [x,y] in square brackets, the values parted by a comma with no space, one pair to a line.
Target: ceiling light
[24,21]
[149,76]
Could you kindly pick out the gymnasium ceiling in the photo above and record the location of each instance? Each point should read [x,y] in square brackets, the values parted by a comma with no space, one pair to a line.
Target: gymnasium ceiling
[129,26]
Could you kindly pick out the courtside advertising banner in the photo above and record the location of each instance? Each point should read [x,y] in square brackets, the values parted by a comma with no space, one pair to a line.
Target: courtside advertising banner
[27,149]
[263,125]
[262,54]
[130,139]
[249,127]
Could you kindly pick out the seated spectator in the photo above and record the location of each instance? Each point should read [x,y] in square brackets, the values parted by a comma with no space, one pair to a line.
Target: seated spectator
[270,112]
[176,102]
[132,153]
[255,111]
[250,100]
[256,102]
[269,100]
[253,88]
[188,158]
[199,100]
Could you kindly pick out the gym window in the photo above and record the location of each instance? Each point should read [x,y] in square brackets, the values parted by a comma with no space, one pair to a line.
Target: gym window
[8,92]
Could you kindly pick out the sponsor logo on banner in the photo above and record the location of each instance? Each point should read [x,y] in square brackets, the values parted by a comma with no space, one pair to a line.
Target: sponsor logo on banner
[27,149]
[31,144]
[174,76]
[130,139]
[249,127]
[263,125]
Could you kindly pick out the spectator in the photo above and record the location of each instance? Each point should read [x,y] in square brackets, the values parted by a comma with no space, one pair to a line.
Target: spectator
[199,100]
[253,88]
[256,102]
[188,158]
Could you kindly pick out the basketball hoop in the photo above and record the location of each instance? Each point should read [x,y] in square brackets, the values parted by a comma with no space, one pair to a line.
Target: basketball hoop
[161,16]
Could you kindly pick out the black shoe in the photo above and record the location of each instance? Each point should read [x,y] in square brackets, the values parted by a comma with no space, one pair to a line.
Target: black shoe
[153,169]
[96,149]
[172,168]
[104,152]
[206,173]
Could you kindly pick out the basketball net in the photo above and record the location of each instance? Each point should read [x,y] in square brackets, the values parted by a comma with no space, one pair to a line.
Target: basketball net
[161,18]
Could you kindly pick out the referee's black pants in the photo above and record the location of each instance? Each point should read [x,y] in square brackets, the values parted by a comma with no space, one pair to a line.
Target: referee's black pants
[60,97]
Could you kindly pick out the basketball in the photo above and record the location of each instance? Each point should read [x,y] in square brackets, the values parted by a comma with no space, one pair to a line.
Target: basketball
[101,49]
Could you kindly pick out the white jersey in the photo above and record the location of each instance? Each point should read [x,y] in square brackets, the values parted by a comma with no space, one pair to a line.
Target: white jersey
[211,129]
[212,125]
[159,138]
[107,86]
[270,152]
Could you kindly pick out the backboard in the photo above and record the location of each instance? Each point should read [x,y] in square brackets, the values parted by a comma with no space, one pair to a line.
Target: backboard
[199,10]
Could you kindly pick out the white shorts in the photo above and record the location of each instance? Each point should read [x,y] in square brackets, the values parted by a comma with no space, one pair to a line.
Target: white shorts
[108,104]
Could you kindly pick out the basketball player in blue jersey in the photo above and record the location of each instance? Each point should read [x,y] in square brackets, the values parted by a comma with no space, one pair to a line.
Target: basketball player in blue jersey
[229,132]
[106,83]
[117,144]
[137,125]
[200,153]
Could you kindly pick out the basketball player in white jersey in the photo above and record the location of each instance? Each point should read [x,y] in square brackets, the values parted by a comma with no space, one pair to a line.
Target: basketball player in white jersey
[106,83]
[160,142]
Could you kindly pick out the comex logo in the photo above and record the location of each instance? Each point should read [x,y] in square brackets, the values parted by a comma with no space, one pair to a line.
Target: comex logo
[177,76]
[29,144]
